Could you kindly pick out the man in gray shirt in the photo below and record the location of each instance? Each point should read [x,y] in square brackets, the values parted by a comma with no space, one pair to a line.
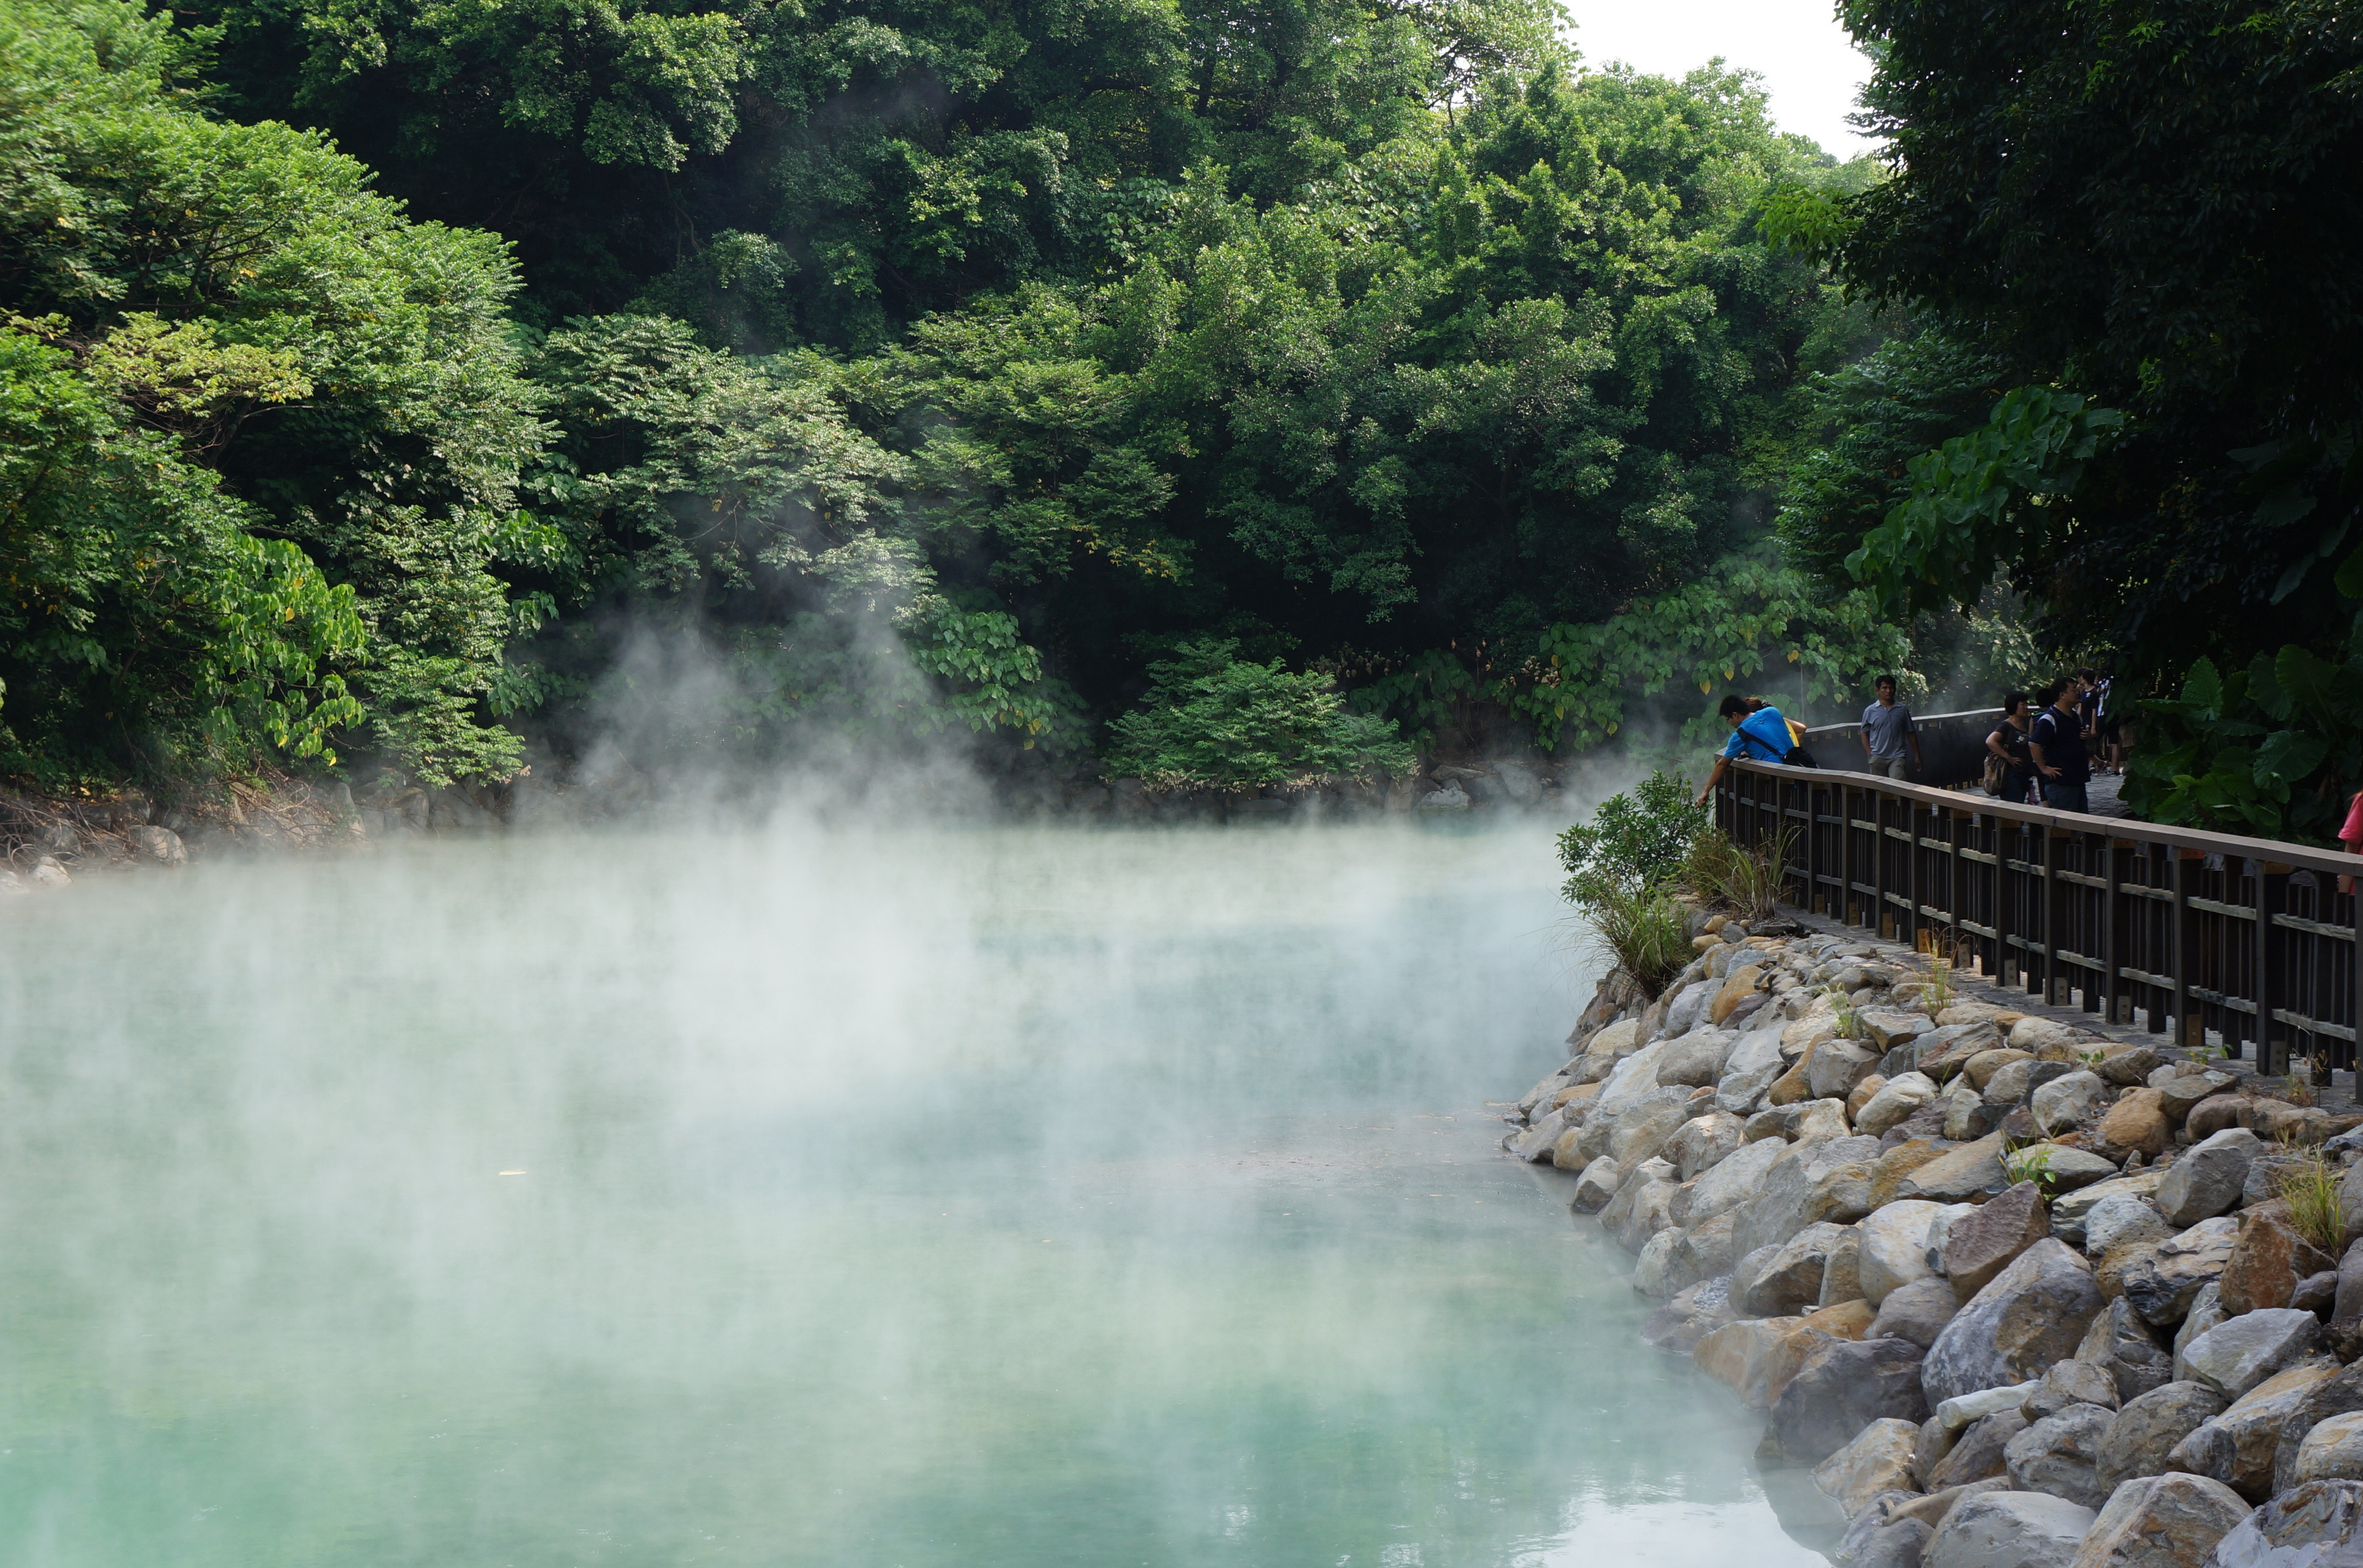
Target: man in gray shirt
[1889,741]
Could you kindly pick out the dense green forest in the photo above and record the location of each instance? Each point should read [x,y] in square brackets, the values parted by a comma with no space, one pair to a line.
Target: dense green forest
[398,386]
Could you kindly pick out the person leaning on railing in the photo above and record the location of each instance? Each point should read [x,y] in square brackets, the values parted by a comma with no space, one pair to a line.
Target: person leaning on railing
[1757,732]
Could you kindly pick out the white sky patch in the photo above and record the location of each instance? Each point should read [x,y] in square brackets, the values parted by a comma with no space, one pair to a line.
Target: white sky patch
[1808,63]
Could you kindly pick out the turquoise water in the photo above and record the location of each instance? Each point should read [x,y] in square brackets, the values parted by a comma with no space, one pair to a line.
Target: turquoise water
[917,1200]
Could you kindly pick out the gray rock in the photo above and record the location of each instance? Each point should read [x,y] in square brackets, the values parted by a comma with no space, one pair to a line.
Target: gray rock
[2240,1353]
[1696,1059]
[2332,1451]
[2162,1286]
[2067,1101]
[2206,1312]
[2126,1348]
[1917,1311]
[1688,1003]
[1704,1250]
[1790,1281]
[2317,1525]
[1980,1244]
[1876,1542]
[2060,1454]
[1930,1447]
[159,845]
[1745,1269]
[2161,1521]
[2069,1210]
[1733,1181]
[2348,1302]
[1971,1173]
[1980,1451]
[1703,1143]
[1837,1067]
[1902,1096]
[2032,1315]
[2316,1293]
[1894,1246]
[1825,1179]
[2334,1396]
[1843,1387]
[1644,1127]
[2142,1434]
[1741,1092]
[2241,1446]
[1596,1186]
[2206,1180]
[2120,1221]
[2008,1086]
[1534,1143]
[2010,1529]
[1842,1270]
[2071,1382]
[1963,1408]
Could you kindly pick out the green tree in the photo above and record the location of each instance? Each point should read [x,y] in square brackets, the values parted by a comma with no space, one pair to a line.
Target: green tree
[1211,719]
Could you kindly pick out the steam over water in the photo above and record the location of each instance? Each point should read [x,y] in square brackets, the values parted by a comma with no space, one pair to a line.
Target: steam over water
[940,1199]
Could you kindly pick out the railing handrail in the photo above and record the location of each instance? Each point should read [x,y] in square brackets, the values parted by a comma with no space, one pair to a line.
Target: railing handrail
[1852,727]
[2232,845]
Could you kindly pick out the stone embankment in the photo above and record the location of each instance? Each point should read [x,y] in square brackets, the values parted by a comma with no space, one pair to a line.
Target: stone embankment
[2019,1293]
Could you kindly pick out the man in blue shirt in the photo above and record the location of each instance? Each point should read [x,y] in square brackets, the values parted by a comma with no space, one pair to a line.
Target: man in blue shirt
[1760,736]
[1888,732]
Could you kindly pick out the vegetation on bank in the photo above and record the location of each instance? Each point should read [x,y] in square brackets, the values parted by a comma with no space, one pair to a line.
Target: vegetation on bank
[1218,396]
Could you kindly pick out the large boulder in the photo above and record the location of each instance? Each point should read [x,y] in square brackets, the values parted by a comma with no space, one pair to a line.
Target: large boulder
[2060,1454]
[1981,1450]
[1683,1014]
[1741,1356]
[2010,1529]
[1917,1311]
[2161,1521]
[1842,1387]
[2241,1446]
[1878,1460]
[2268,1257]
[2069,1209]
[1878,1540]
[1704,1250]
[1596,1186]
[1790,1281]
[1898,1099]
[1894,1247]
[1702,1143]
[2121,1344]
[1696,1059]
[2070,1168]
[1826,1179]
[1733,1181]
[1738,985]
[1534,1143]
[2031,1315]
[1842,1273]
[1836,1065]
[1971,1173]
[2071,1382]
[2121,1221]
[1982,1244]
[1635,1076]
[2240,1353]
[2137,1123]
[2207,1178]
[2336,1395]
[1645,1126]
[2162,1286]
[2142,1434]
[2206,1312]
[2332,1451]
[2068,1100]
[2317,1525]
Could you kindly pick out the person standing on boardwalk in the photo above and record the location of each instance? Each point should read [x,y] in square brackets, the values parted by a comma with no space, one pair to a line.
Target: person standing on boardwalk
[1757,732]
[2057,744]
[1888,739]
[2011,770]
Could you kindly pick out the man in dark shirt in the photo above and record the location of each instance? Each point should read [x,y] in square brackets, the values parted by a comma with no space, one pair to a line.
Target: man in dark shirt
[2057,744]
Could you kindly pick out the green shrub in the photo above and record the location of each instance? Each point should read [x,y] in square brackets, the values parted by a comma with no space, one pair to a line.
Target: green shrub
[1633,841]
[1642,930]
[1745,882]
[1212,720]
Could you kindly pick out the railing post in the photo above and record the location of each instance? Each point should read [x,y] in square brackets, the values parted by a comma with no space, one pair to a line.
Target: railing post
[1916,884]
[2003,961]
[2272,897]
[2186,934]
[1845,910]
[2052,839]
[1812,845]
[1879,861]
[2113,931]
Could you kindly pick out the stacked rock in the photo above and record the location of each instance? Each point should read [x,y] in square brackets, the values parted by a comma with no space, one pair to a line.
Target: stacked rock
[2017,1291]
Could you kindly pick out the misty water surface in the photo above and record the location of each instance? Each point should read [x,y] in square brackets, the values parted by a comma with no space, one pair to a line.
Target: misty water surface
[930,1198]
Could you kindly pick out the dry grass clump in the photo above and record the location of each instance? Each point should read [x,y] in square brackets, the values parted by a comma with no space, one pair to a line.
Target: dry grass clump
[2311,1189]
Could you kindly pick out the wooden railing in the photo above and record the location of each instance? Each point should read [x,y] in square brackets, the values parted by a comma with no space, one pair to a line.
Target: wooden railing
[1952,745]
[2191,933]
